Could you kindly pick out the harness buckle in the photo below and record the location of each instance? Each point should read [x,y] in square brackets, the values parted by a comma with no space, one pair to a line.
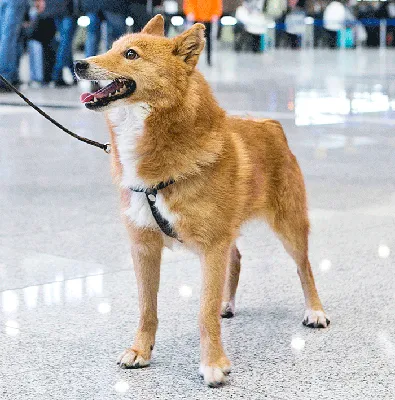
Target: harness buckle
[107,148]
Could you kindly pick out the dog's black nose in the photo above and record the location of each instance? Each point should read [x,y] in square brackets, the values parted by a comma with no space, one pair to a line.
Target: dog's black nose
[80,66]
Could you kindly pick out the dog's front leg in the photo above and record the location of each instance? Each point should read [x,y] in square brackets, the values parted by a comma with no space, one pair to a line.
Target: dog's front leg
[214,363]
[146,254]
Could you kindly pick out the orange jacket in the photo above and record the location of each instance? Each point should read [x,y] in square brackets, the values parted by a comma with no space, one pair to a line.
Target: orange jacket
[203,10]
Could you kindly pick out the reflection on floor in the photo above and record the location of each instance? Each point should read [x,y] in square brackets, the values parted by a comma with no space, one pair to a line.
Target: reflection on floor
[68,302]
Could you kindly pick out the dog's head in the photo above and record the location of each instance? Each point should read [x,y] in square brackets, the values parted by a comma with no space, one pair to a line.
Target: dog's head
[144,67]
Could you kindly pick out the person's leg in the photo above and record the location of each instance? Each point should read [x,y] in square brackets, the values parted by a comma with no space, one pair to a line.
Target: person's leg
[49,55]
[92,35]
[36,61]
[66,28]
[140,16]
[2,13]
[116,26]
[208,26]
[256,43]
[12,13]
[58,67]
[167,24]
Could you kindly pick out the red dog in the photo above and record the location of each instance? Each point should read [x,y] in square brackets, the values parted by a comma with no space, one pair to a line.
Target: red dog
[214,173]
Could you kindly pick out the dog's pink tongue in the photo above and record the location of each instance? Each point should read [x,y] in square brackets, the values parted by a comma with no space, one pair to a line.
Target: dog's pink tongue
[86,97]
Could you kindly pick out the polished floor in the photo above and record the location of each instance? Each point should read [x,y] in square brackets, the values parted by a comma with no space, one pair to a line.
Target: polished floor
[68,302]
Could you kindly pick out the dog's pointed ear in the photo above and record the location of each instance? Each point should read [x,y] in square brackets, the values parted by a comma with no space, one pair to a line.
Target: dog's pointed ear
[190,44]
[155,26]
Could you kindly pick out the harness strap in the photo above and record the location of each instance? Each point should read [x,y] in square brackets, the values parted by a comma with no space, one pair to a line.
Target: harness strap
[151,194]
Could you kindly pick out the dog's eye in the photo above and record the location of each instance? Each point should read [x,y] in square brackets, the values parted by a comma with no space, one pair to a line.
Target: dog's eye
[131,54]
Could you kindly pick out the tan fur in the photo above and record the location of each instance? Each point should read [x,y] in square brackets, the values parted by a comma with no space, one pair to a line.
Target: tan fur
[228,170]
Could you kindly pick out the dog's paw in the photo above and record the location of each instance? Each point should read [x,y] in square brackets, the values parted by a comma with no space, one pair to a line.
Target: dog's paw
[132,359]
[315,319]
[228,309]
[214,375]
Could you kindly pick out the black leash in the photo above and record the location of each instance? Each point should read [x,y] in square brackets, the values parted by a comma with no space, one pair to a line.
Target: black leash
[151,193]
[104,146]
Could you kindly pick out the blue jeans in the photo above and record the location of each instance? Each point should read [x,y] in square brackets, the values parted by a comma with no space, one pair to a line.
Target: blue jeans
[36,61]
[11,17]
[64,56]
[116,27]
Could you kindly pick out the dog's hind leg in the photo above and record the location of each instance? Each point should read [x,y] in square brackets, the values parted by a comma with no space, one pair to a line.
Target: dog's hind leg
[146,254]
[287,214]
[314,316]
[293,230]
[231,282]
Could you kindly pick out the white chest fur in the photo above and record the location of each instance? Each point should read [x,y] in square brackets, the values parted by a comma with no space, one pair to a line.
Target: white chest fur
[128,125]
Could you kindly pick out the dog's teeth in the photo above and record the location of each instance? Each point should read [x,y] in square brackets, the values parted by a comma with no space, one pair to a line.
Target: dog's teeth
[110,95]
[95,100]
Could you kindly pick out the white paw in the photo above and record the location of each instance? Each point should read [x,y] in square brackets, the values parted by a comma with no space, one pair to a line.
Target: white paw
[214,376]
[228,309]
[315,319]
[130,359]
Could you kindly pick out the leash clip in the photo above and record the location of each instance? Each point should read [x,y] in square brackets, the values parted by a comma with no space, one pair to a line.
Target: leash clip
[107,148]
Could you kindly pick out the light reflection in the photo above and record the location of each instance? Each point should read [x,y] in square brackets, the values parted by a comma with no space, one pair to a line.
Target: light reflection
[59,278]
[298,343]
[30,295]
[325,265]
[10,301]
[387,345]
[104,308]
[369,103]
[57,292]
[384,251]
[311,108]
[185,291]
[332,104]
[47,294]
[52,293]
[12,328]
[73,289]
[94,285]
[121,387]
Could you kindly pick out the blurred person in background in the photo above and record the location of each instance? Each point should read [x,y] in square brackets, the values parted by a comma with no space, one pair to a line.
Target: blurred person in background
[65,21]
[386,10]
[114,12]
[294,22]
[335,18]
[253,18]
[206,12]
[315,9]
[249,15]
[138,11]
[391,24]
[39,31]
[276,11]
[370,11]
[12,14]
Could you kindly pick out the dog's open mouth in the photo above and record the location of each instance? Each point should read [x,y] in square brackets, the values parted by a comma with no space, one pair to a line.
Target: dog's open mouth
[117,89]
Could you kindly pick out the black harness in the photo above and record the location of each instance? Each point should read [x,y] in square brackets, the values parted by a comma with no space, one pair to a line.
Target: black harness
[151,194]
